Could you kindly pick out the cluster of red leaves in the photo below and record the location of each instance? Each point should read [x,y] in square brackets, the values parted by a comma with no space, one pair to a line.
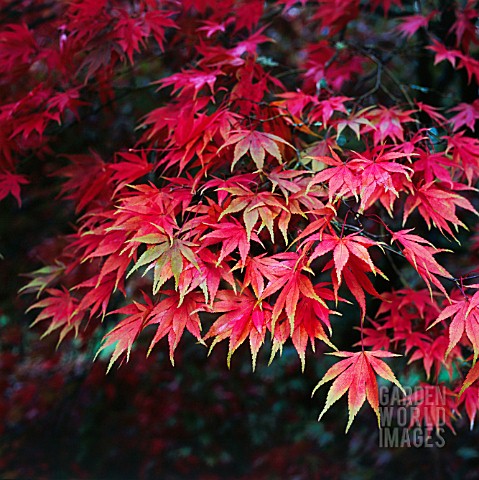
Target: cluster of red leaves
[254,195]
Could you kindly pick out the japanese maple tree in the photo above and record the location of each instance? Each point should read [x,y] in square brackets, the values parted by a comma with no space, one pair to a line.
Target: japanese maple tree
[284,161]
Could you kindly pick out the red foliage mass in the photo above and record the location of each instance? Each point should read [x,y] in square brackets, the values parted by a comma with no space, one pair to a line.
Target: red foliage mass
[268,174]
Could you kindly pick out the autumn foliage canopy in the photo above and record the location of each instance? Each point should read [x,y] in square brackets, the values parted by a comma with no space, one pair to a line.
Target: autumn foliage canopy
[298,172]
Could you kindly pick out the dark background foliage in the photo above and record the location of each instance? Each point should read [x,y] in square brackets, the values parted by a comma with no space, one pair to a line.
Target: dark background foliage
[62,418]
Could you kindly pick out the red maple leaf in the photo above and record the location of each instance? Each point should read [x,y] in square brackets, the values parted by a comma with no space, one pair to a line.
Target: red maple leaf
[155,22]
[388,123]
[10,185]
[341,177]
[471,377]
[357,374]
[243,317]
[129,33]
[87,177]
[355,122]
[431,353]
[465,319]
[375,337]
[166,256]
[432,167]
[326,108]
[288,181]
[130,169]
[432,406]
[471,65]
[307,323]
[442,53]
[470,399]
[292,287]
[191,80]
[433,112]
[211,27]
[468,114]
[412,23]
[437,205]
[127,330]
[376,171]
[257,144]
[255,206]
[465,153]
[173,314]
[60,307]
[98,294]
[19,45]
[420,254]
[342,248]
[233,236]
[357,281]
[351,259]
[463,27]
[261,268]
[211,273]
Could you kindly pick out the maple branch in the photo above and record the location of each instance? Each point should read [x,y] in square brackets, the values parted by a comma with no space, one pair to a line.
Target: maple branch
[376,86]
[381,66]
[291,71]
[393,77]
[279,115]
[398,272]
[361,229]
[362,333]
[386,247]
[128,91]
[469,277]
